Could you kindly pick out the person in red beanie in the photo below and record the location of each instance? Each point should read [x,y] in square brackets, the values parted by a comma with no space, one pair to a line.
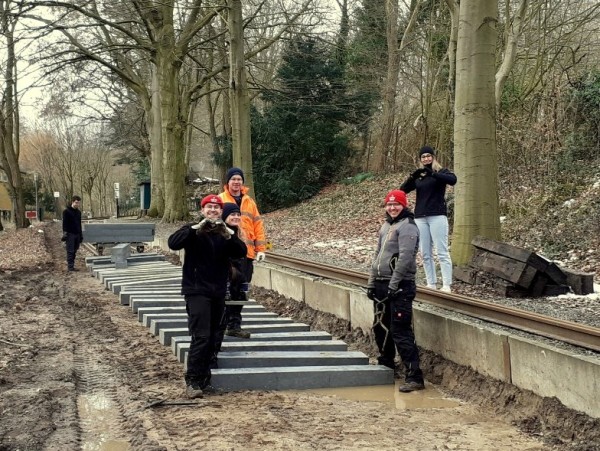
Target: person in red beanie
[392,288]
[209,245]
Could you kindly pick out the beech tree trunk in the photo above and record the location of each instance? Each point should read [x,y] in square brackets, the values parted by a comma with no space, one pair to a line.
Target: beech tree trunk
[475,159]
[239,99]
[153,126]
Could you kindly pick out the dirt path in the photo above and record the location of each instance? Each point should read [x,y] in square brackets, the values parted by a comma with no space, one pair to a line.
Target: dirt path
[78,372]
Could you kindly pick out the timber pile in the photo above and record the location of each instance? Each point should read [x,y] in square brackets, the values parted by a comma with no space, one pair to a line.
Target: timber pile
[512,271]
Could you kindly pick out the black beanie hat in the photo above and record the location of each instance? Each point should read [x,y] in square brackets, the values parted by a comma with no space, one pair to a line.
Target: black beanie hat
[427,149]
[234,171]
[229,208]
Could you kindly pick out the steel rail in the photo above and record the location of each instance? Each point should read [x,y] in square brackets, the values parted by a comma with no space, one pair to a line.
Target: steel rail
[576,334]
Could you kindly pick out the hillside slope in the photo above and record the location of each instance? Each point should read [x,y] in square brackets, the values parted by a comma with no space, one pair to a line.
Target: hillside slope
[339,226]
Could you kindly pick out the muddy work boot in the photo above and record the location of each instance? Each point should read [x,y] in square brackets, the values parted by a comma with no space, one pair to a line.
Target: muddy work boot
[240,333]
[193,390]
[409,386]
[210,389]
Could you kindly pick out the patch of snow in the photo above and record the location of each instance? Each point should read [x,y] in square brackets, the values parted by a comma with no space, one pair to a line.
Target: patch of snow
[595,296]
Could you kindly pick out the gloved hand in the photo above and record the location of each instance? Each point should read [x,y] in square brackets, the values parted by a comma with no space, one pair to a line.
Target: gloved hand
[64,236]
[371,293]
[260,256]
[391,294]
[221,228]
[203,225]
[428,170]
[419,173]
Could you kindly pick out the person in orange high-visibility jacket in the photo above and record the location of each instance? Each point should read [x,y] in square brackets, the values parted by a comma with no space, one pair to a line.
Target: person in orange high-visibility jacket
[251,225]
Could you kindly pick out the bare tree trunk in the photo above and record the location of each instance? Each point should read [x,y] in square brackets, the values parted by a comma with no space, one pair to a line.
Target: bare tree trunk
[173,137]
[514,29]
[153,124]
[454,12]
[389,88]
[240,102]
[9,130]
[476,195]
[391,82]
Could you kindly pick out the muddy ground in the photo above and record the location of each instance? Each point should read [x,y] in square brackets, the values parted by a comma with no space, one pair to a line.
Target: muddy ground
[78,372]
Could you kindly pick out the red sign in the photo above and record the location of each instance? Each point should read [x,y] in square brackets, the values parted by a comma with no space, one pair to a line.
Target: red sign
[30,214]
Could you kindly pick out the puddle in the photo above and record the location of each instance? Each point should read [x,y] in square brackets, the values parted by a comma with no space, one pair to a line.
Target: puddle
[430,398]
[98,416]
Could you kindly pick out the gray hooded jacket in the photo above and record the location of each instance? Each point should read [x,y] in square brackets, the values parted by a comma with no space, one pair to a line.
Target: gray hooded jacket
[396,255]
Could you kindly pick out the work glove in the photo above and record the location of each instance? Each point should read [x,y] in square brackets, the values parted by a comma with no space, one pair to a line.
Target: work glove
[371,293]
[221,228]
[204,225]
[419,173]
[391,294]
[64,236]
[260,256]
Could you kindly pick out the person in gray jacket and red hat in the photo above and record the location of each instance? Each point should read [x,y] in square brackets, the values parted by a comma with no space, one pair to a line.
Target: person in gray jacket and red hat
[392,288]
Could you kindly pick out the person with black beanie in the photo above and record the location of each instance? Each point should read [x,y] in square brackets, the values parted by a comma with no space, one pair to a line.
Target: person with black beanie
[431,215]
[238,285]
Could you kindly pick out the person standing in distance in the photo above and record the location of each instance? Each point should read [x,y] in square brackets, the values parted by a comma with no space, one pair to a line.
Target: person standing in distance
[431,215]
[209,245]
[72,234]
[392,288]
[252,228]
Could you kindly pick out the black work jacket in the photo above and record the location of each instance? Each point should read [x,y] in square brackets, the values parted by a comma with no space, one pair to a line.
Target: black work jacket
[72,220]
[431,192]
[206,262]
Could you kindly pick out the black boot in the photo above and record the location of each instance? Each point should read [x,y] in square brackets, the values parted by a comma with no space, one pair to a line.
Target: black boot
[414,379]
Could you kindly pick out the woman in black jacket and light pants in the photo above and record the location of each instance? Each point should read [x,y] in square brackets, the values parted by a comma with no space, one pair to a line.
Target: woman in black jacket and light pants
[431,215]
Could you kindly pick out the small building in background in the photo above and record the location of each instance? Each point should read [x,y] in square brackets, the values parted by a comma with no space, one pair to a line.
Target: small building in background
[145,194]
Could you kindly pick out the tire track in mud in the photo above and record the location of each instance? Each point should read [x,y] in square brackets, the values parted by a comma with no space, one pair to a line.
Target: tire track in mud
[108,368]
[100,405]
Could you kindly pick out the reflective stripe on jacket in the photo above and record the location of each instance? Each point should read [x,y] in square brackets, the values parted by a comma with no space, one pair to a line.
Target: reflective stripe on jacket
[252,224]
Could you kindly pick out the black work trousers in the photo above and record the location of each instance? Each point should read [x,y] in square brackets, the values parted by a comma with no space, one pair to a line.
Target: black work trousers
[72,245]
[234,312]
[393,330]
[204,316]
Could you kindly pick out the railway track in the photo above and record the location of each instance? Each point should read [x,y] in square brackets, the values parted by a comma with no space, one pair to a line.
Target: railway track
[576,334]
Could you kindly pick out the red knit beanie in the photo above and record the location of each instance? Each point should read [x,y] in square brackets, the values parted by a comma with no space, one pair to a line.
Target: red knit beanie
[211,199]
[396,195]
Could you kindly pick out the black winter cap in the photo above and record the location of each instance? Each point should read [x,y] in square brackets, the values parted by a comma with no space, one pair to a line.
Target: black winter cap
[229,208]
[427,149]
[234,171]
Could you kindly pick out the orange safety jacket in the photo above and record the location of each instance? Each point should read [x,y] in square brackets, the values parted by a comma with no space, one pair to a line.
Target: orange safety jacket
[252,224]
